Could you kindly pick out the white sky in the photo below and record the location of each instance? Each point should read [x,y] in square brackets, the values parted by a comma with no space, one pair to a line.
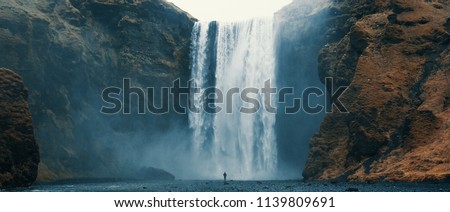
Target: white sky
[230,10]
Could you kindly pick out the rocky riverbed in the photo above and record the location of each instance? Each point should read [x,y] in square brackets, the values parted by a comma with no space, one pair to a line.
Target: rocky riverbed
[232,186]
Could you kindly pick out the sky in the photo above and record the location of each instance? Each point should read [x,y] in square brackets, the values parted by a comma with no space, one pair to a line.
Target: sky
[230,10]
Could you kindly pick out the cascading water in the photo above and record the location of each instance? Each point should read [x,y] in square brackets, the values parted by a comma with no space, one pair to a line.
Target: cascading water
[230,56]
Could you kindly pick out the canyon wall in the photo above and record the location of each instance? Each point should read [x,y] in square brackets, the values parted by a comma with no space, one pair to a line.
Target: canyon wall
[69,51]
[394,56]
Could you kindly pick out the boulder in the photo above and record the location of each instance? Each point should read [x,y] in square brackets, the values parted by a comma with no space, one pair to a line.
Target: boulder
[19,152]
[150,173]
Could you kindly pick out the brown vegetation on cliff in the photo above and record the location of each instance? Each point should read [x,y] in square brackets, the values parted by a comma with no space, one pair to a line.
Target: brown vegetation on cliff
[19,152]
[395,59]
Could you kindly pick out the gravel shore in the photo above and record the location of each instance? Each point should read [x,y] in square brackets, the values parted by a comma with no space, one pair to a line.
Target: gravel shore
[232,186]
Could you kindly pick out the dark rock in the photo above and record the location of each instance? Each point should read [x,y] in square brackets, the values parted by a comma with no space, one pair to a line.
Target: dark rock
[19,152]
[447,25]
[69,51]
[398,7]
[151,173]
[352,189]
[393,18]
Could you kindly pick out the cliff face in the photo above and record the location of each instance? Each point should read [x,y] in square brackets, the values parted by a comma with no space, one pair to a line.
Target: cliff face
[69,51]
[19,152]
[394,56]
[301,27]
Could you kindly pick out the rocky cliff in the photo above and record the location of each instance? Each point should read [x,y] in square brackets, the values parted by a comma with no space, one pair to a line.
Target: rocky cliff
[19,152]
[394,56]
[301,27]
[69,51]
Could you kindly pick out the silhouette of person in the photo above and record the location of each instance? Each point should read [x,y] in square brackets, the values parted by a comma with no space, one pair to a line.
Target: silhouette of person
[224,178]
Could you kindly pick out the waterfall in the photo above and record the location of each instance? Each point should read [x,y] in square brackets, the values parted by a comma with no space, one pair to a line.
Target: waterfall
[226,56]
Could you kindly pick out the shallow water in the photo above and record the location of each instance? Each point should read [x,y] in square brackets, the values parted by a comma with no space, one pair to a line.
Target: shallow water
[231,186]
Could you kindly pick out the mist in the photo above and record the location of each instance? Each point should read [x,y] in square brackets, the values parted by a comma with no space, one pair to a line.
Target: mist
[67,69]
[297,42]
[237,143]
[300,30]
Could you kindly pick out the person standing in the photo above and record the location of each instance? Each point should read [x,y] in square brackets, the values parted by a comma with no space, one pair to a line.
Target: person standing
[224,178]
